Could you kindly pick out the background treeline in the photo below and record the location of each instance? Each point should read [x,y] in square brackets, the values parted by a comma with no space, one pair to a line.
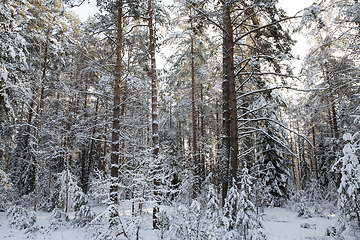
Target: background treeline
[223,130]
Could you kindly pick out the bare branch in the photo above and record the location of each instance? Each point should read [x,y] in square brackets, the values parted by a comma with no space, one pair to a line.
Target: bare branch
[282,87]
[252,111]
[77,5]
[133,27]
[267,73]
[275,139]
[262,27]
[244,82]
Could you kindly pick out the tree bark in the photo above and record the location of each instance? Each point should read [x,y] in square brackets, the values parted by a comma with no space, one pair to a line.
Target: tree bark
[114,168]
[334,121]
[154,114]
[314,163]
[202,132]
[84,157]
[195,158]
[155,127]
[90,157]
[230,141]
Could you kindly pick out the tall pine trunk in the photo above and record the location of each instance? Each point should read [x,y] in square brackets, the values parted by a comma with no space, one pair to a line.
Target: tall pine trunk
[230,141]
[154,114]
[202,140]
[314,160]
[195,158]
[114,168]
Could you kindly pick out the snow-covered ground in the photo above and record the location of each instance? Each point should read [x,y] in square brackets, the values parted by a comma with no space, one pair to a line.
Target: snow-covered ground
[6,232]
[280,224]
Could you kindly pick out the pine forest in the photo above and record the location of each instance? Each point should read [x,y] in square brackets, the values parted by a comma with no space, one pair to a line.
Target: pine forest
[179,119]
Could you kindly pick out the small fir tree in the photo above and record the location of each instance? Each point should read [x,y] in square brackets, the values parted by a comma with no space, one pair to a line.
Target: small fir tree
[349,189]
[274,172]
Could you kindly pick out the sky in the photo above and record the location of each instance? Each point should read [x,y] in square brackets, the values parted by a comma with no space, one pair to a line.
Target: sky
[88,8]
[293,7]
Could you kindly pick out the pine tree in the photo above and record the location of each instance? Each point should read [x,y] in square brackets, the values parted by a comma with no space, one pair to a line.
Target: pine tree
[241,218]
[273,165]
[349,202]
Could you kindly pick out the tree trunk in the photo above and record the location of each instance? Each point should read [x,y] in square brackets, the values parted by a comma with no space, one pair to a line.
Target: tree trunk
[332,111]
[230,141]
[84,155]
[293,160]
[334,121]
[155,127]
[154,113]
[225,154]
[39,116]
[114,168]
[215,168]
[103,163]
[90,157]
[195,157]
[314,163]
[202,131]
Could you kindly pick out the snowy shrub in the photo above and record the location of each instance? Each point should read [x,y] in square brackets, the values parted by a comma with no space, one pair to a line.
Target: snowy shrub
[67,183]
[343,230]
[7,192]
[83,212]
[300,203]
[311,202]
[240,216]
[330,231]
[136,220]
[84,216]
[212,208]
[99,227]
[58,219]
[206,219]
[233,213]
[349,189]
[308,225]
[99,190]
[185,222]
[313,191]
[272,163]
[20,218]
[163,223]
[47,204]
[185,190]
[199,220]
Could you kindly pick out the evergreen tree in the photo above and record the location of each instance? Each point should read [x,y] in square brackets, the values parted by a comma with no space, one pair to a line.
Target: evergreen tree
[349,202]
[273,164]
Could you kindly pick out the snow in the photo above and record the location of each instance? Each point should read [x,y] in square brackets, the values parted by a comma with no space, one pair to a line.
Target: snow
[3,73]
[43,233]
[348,137]
[279,224]
[12,52]
[283,224]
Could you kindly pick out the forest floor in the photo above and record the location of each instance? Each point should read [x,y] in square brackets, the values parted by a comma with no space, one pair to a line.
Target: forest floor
[279,224]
